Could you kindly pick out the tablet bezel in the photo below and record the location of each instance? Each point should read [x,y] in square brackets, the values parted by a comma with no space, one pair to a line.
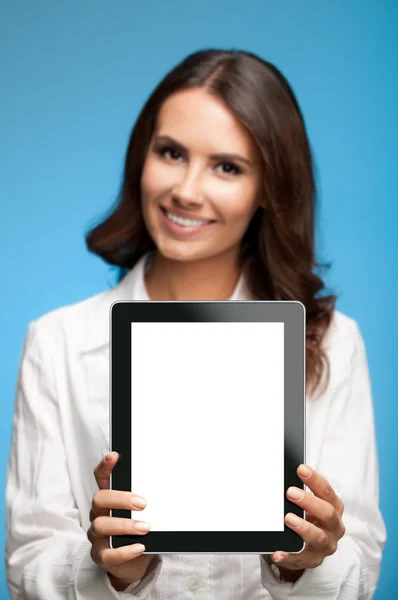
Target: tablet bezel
[292,314]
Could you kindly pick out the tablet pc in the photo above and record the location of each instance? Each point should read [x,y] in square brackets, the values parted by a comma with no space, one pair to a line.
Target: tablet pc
[207,410]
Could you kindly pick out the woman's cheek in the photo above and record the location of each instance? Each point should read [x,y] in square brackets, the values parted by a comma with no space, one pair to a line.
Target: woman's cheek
[158,179]
[149,181]
[236,206]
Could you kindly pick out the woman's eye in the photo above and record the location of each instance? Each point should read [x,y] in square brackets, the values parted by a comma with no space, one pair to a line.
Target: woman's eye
[231,169]
[168,152]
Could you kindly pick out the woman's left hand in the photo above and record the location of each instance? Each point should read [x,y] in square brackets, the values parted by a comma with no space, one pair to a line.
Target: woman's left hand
[322,527]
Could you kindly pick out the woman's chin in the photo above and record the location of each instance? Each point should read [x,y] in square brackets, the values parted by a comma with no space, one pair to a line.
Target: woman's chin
[183,252]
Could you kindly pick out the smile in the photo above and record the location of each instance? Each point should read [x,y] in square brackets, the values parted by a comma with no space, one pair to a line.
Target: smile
[184,227]
[185,222]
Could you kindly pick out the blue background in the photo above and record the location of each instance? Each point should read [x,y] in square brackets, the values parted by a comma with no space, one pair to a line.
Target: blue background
[74,76]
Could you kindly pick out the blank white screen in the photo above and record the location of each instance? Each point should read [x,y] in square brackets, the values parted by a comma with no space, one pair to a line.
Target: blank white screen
[210,398]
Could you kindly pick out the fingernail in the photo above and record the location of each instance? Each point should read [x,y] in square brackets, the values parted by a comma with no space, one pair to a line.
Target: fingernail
[292,519]
[137,548]
[142,526]
[138,502]
[278,559]
[295,493]
[109,456]
[304,470]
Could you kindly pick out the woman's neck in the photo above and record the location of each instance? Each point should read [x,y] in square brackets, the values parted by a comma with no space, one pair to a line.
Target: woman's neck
[213,278]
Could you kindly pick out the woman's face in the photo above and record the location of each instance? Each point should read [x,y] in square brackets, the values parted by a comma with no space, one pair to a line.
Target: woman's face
[201,178]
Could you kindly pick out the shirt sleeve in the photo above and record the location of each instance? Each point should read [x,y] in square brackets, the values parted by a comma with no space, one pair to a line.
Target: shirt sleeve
[349,462]
[47,550]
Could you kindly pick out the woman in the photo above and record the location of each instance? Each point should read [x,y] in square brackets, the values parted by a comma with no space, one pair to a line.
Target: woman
[217,202]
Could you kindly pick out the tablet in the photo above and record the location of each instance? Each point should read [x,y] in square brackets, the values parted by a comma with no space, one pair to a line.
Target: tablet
[207,410]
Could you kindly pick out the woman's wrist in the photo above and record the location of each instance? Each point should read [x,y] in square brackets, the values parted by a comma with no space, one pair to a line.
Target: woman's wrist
[288,575]
[118,584]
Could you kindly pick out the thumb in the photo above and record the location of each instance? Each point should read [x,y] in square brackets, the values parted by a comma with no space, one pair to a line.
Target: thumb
[104,469]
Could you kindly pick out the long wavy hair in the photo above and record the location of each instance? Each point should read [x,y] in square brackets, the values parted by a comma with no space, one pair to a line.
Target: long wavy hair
[277,249]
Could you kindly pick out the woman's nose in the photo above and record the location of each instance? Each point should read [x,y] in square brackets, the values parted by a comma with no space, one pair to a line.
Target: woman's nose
[188,191]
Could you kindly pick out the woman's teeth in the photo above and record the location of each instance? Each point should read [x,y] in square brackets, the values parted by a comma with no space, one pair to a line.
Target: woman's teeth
[185,222]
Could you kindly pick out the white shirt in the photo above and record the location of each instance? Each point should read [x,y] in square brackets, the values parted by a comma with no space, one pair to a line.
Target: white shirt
[60,434]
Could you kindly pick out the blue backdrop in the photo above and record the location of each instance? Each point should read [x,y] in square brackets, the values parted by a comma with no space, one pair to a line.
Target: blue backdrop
[75,74]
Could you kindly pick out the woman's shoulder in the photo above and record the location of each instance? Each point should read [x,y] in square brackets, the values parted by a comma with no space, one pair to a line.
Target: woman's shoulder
[92,313]
[343,344]
[342,333]
[73,311]
[84,323]
[341,325]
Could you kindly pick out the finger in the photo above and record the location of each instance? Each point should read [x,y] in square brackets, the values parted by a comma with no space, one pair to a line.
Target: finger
[104,500]
[108,557]
[104,527]
[321,510]
[309,517]
[320,486]
[315,537]
[318,545]
[104,469]
[298,561]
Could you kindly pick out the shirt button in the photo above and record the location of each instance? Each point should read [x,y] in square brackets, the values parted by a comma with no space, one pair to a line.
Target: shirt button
[193,582]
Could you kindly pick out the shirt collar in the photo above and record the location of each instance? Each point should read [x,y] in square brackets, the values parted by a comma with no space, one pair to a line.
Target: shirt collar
[131,287]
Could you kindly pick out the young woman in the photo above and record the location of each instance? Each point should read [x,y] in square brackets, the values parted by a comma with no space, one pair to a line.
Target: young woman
[217,202]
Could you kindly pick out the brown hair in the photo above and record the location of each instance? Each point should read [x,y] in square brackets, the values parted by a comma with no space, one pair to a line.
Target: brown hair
[278,247]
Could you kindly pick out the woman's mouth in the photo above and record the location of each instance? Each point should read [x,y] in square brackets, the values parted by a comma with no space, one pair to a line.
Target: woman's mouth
[183,227]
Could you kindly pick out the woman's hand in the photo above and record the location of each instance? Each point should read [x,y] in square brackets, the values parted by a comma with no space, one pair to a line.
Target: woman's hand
[322,528]
[127,564]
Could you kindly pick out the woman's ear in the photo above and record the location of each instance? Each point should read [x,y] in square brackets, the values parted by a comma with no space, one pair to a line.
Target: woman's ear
[260,201]
[258,206]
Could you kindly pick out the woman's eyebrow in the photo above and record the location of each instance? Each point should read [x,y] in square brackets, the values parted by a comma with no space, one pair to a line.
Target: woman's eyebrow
[181,148]
[166,139]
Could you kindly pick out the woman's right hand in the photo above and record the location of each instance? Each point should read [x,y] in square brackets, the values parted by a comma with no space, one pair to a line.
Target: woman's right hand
[127,564]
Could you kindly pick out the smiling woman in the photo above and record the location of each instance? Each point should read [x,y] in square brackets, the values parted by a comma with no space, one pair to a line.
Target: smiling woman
[222,139]
[217,202]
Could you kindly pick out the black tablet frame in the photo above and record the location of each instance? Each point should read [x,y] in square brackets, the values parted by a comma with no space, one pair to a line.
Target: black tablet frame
[292,314]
